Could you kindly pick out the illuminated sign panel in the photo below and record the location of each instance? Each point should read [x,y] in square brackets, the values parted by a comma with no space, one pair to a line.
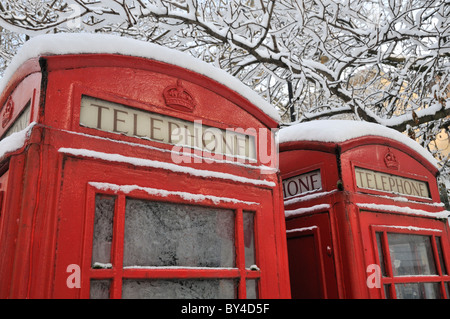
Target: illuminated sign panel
[301,184]
[383,182]
[112,117]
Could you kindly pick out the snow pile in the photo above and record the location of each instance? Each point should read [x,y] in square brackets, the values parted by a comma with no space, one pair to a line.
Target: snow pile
[304,210]
[79,43]
[336,131]
[15,141]
[295,230]
[405,210]
[163,165]
[304,198]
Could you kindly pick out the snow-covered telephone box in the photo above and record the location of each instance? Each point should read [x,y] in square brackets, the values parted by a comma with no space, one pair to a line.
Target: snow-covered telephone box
[133,171]
[363,213]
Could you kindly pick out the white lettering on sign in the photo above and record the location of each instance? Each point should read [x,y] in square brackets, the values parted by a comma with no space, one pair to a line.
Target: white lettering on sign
[373,180]
[112,117]
[303,183]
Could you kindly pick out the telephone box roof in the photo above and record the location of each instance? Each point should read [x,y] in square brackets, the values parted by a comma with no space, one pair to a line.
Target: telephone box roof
[339,131]
[86,43]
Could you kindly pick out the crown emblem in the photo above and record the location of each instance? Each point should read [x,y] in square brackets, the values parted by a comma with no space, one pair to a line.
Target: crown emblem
[177,97]
[9,110]
[390,160]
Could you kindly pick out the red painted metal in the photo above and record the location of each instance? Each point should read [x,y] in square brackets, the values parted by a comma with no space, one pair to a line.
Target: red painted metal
[340,230]
[48,195]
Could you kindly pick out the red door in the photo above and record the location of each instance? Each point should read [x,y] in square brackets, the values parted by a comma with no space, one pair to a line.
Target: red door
[311,262]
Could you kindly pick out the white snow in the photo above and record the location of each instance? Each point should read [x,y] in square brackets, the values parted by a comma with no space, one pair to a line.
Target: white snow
[254,268]
[162,165]
[405,210]
[413,228]
[262,168]
[432,109]
[164,193]
[406,200]
[98,265]
[301,229]
[178,267]
[337,131]
[300,211]
[15,141]
[79,43]
[308,197]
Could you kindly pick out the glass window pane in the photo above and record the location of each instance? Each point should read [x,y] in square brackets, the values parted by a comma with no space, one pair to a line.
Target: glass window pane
[168,234]
[441,259]
[249,239]
[180,289]
[411,255]
[419,290]
[447,289]
[100,289]
[380,253]
[103,229]
[252,288]
[387,291]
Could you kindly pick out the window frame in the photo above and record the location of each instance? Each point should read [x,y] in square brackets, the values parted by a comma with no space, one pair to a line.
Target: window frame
[118,273]
[390,280]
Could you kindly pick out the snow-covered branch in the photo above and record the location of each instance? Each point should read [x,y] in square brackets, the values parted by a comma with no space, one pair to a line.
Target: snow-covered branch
[376,60]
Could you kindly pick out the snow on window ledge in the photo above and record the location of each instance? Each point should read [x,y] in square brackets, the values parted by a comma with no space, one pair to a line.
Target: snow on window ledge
[163,165]
[164,193]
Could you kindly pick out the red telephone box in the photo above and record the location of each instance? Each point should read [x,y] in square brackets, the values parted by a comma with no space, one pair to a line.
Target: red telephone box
[363,213]
[135,172]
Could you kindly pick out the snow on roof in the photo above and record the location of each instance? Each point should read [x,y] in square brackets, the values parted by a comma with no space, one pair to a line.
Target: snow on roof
[88,43]
[336,131]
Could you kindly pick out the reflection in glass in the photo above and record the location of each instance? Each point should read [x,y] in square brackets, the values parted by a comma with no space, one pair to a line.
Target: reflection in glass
[418,290]
[249,238]
[379,237]
[179,289]
[387,291]
[99,289]
[103,229]
[169,234]
[411,255]
[252,288]
[441,258]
